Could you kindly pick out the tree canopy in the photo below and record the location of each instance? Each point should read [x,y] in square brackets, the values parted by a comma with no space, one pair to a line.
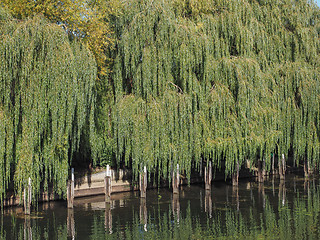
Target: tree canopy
[47,102]
[225,81]
[83,19]
[186,82]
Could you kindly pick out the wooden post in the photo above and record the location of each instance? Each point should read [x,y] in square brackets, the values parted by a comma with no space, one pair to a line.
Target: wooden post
[208,176]
[282,167]
[264,172]
[143,183]
[27,194]
[272,166]
[273,192]
[227,193]
[176,180]
[260,172]
[307,169]
[235,176]
[70,190]
[107,184]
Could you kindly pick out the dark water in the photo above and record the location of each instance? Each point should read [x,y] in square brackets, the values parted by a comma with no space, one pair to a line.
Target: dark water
[273,210]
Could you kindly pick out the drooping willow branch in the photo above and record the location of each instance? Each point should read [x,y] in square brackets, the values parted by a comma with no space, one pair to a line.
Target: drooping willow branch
[46,103]
[248,71]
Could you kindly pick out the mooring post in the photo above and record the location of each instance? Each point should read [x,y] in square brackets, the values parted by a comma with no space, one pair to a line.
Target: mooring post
[70,190]
[307,169]
[208,176]
[143,182]
[260,171]
[27,198]
[282,167]
[176,180]
[107,184]
[264,172]
[272,165]
[273,192]
[235,176]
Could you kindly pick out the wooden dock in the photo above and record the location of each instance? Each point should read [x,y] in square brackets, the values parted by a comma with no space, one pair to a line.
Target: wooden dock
[87,184]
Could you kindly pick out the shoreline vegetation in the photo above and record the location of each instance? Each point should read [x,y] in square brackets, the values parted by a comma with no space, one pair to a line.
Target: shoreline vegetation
[184,82]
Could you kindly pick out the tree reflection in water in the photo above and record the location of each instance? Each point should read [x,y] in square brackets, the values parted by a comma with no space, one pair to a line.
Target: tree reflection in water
[293,213]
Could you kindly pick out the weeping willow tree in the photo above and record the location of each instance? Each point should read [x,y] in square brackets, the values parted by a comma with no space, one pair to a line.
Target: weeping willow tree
[46,103]
[222,81]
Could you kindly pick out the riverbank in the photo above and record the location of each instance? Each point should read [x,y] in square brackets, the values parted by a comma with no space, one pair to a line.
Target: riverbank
[91,183]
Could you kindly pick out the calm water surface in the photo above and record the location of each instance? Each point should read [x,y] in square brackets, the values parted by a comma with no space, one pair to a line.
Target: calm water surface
[274,210]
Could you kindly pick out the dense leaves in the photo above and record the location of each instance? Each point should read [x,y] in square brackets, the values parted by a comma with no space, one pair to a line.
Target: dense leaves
[226,81]
[83,19]
[46,100]
[190,81]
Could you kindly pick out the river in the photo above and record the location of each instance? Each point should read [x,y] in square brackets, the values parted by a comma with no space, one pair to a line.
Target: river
[274,210]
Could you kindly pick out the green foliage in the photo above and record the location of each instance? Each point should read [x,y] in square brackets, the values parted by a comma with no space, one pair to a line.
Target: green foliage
[82,19]
[46,101]
[4,15]
[226,81]
[191,81]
